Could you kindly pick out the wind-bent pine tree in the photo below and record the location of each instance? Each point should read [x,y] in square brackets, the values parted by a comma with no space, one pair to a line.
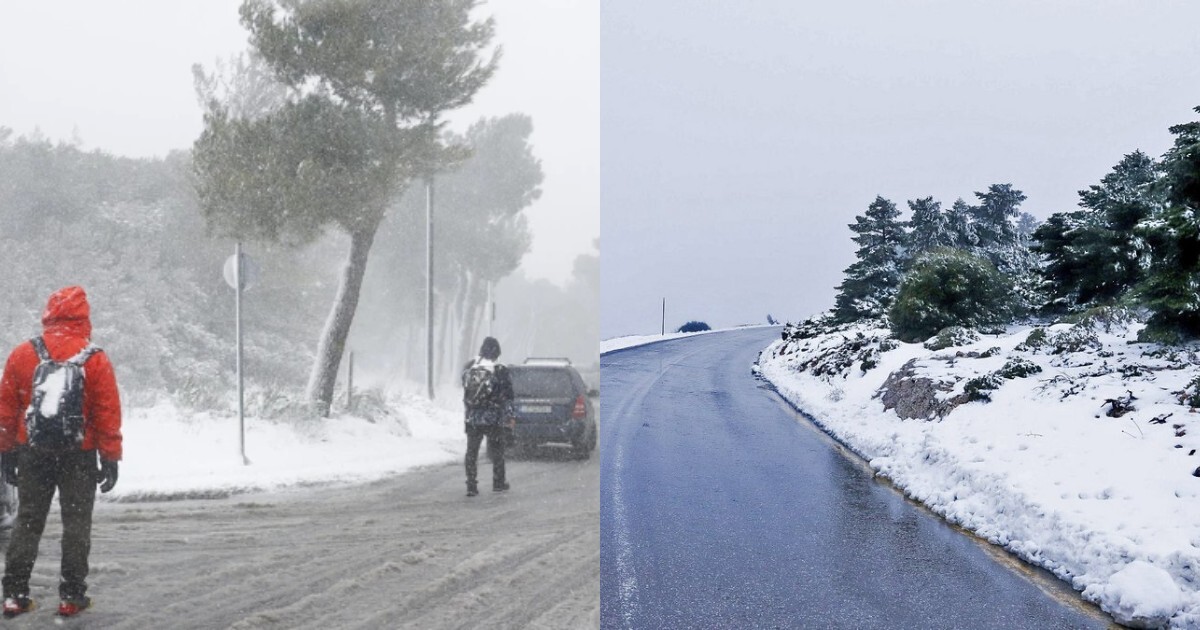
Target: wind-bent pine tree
[369,80]
[871,282]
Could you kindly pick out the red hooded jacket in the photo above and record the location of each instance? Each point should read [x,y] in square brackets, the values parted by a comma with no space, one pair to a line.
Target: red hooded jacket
[67,330]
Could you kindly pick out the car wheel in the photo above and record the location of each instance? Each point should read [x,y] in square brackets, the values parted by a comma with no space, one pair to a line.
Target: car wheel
[583,448]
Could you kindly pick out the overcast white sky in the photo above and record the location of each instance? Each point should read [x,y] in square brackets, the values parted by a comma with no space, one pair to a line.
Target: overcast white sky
[117,75]
[741,138]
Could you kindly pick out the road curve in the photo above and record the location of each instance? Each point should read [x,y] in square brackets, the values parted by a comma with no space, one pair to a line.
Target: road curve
[721,507]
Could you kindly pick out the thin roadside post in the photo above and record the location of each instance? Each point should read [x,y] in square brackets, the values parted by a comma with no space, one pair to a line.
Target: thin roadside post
[429,286]
[237,291]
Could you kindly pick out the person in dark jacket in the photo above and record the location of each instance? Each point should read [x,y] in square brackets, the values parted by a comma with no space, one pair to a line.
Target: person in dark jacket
[38,469]
[490,417]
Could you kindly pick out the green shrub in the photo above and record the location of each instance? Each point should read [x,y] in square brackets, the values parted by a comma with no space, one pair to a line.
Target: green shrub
[1035,339]
[1190,395]
[948,287]
[979,388]
[1017,367]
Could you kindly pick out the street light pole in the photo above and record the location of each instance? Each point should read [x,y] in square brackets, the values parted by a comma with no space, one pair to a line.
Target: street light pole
[429,286]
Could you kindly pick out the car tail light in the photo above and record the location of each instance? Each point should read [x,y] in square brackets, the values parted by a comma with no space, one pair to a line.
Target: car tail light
[580,410]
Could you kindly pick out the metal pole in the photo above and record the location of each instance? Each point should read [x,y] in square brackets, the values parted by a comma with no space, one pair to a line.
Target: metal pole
[429,286]
[237,291]
[350,383]
[664,318]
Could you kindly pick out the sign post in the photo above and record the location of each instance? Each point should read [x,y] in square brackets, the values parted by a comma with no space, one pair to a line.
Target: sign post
[240,273]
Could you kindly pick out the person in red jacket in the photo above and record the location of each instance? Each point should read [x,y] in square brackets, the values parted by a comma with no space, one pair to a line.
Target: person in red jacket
[38,465]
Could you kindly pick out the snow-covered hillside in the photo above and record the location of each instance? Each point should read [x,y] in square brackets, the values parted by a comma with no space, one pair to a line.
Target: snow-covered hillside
[1070,445]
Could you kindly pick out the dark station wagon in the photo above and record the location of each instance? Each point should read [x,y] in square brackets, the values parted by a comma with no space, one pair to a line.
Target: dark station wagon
[552,405]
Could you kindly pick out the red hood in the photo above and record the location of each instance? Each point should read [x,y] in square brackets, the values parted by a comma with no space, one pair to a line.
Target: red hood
[67,314]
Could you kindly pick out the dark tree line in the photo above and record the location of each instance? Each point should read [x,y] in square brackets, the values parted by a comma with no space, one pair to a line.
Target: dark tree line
[1134,241]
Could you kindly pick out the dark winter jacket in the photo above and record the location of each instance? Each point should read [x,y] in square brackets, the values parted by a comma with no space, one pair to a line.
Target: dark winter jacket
[499,409]
[66,330]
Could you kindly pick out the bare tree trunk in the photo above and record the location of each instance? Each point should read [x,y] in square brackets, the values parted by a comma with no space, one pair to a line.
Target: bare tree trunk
[465,340]
[471,320]
[337,327]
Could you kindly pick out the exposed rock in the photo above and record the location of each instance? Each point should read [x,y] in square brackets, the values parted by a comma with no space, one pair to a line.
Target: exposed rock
[915,396]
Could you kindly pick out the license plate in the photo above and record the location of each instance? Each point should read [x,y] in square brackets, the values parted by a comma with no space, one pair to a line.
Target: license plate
[534,408]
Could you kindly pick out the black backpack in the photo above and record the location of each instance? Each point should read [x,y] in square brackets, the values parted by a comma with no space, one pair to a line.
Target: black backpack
[54,419]
[480,385]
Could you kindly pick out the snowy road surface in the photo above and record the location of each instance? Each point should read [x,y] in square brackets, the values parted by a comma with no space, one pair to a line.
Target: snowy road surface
[721,507]
[411,551]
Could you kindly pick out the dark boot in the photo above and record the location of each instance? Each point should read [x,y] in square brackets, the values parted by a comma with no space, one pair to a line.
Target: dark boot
[472,488]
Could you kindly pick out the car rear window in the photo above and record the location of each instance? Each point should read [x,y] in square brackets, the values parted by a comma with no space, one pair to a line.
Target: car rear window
[531,383]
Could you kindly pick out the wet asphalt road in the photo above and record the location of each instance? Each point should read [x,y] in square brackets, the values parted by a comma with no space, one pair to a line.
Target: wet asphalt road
[721,507]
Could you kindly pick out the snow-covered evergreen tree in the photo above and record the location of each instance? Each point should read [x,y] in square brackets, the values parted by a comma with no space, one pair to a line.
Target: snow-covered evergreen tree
[1094,255]
[958,224]
[949,287]
[929,227]
[1171,289]
[1026,224]
[871,281]
[1057,242]
[994,222]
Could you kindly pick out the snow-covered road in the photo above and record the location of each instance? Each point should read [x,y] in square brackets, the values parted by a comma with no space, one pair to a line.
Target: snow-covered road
[722,507]
[409,551]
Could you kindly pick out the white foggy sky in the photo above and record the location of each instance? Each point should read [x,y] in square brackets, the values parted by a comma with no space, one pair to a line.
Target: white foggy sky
[741,138]
[119,75]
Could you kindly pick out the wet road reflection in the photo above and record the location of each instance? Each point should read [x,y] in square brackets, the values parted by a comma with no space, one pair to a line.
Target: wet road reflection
[721,508]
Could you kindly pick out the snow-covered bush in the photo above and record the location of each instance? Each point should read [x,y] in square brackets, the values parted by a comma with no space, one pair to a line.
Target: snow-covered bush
[1034,340]
[1077,338]
[947,287]
[1190,395]
[951,336]
[1018,367]
[979,388]
[837,352]
[811,327]
[1106,318]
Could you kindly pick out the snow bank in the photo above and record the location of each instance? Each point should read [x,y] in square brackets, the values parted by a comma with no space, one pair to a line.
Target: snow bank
[173,454]
[1107,503]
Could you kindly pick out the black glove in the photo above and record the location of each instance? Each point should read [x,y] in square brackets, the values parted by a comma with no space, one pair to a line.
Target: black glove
[8,466]
[108,475]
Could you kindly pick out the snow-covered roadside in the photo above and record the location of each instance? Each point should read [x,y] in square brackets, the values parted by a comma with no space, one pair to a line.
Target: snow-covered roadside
[631,341]
[1107,503]
[171,453]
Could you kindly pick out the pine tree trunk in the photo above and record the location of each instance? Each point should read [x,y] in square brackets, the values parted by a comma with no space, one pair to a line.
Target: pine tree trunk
[471,318]
[449,339]
[337,327]
[465,308]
